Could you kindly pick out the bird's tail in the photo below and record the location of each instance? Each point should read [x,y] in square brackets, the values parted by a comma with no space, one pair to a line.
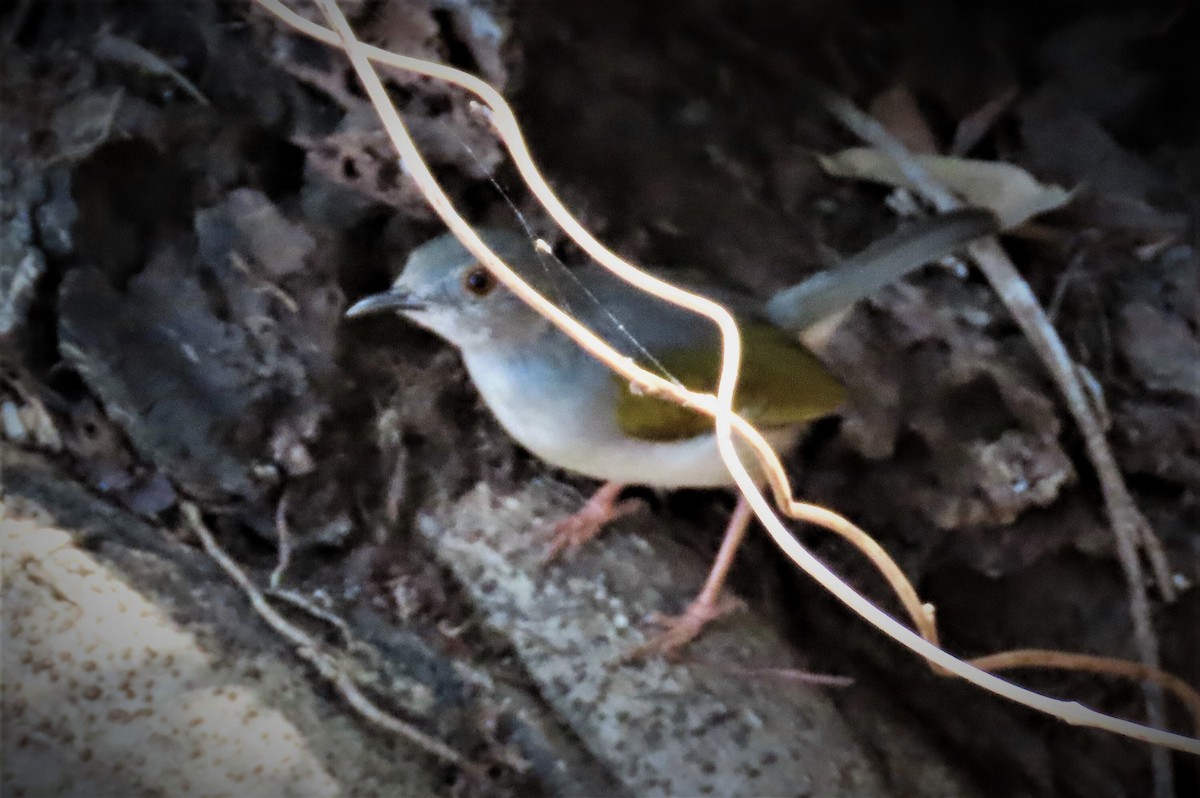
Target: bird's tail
[828,294]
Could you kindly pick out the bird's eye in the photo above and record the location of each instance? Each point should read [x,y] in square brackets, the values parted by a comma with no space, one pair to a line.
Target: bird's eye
[479,281]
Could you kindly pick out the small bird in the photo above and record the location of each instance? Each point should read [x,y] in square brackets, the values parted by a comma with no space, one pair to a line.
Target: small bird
[570,410]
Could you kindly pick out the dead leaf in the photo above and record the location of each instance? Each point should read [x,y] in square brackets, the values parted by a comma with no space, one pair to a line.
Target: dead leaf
[1008,190]
[1161,349]
[975,125]
[897,109]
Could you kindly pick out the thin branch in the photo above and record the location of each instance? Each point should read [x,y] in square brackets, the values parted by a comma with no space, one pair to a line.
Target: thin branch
[111,47]
[1089,663]
[310,651]
[283,537]
[1128,525]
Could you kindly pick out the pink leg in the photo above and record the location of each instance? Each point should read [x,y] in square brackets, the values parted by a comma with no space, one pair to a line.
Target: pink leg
[573,531]
[709,604]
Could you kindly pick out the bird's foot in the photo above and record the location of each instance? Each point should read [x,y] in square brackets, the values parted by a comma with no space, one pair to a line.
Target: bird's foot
[581,526]
[679,630]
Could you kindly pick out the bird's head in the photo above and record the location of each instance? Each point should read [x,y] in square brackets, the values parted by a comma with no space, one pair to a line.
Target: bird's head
[445,289]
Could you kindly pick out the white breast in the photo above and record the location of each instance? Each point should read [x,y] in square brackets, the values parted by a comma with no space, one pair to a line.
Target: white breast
[570,423]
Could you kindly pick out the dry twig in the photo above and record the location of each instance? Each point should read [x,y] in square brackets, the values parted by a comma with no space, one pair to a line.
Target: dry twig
[310,651]
[1128,524]
[115,48]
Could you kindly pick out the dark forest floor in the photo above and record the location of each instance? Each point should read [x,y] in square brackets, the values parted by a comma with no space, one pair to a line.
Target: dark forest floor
[176,254]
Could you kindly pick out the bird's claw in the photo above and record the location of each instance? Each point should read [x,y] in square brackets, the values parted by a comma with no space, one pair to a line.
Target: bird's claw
[679,630]
[567,535]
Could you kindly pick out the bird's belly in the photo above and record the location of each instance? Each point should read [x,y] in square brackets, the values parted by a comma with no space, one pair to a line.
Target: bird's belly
[692,463]
[575,429]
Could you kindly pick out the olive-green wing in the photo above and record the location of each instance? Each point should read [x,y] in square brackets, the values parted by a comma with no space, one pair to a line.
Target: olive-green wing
[781,383]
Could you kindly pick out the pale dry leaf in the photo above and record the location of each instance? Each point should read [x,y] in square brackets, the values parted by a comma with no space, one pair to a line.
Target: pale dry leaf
[1008,190]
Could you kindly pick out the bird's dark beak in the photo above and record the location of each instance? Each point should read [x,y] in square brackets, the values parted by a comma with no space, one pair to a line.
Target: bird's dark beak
[388,300]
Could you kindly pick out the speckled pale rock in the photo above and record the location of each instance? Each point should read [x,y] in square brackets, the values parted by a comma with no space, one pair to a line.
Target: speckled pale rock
[107,695]
[662,729]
